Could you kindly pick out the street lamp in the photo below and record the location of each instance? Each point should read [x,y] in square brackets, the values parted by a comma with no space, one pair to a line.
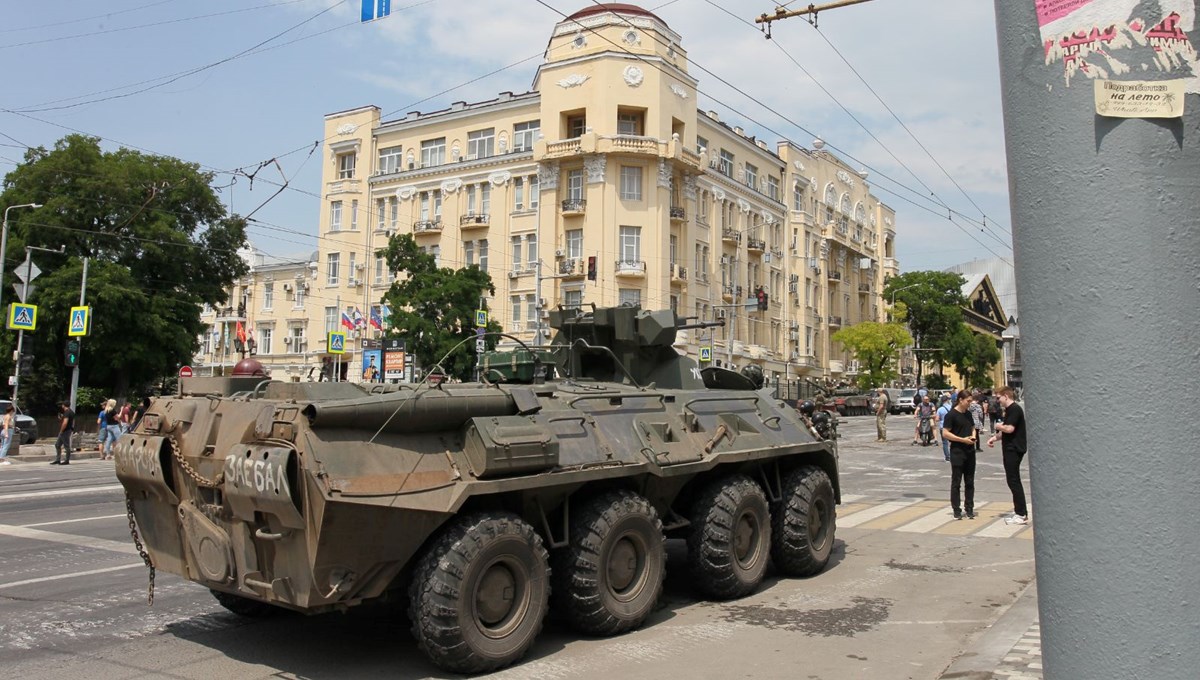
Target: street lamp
[4,243]
[900,289]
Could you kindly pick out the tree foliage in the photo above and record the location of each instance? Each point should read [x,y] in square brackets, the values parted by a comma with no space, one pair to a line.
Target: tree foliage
[875,345]
[159,244]
[973,355]
[433,308]
[933,302]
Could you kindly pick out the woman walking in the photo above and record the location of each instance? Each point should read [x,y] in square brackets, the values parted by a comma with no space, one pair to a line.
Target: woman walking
[7,426]
[976,411]
[109,427]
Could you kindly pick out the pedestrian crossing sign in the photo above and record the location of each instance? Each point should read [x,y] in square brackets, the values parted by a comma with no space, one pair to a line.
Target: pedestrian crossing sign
[22,317]
[337,342]
[481,318]
[705,354]
[81,322]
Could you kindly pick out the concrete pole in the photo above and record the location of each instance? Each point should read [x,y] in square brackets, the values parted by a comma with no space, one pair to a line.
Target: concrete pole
[21,333]
[75,369]
[1107,252]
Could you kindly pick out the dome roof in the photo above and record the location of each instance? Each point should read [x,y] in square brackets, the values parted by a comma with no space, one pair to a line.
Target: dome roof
[618,7]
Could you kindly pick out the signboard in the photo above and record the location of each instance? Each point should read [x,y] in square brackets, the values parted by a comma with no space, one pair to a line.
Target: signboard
[336,343]
[22,317]
[705,354]
[80,322]
[185,372]
[371,361]
[481,318]
[393,358]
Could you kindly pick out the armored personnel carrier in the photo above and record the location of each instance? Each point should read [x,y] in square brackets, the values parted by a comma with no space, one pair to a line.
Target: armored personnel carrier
[486,504]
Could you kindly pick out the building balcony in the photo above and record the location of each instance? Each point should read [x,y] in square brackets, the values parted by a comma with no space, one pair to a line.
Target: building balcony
[471,220]
[727,293]
[835,275]
[343,186]
[573,206]
[835,321]
[678,214]
[837,366]
[630,268]
[563,148]
[571,267]
[777,253]
[228,314]
[756,245]
[731,235]
[678,273]
[702,278]
[428,226]
[864,288]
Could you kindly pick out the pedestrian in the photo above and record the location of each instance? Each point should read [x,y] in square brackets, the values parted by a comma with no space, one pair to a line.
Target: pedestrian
[942,412]
[123,417]
[924,409]
[976,411]
[7,432]
[139,413]
[881,411]
[959,428]
[1013,447]
[994,410]
[101,428]
[106,417]
[113,426]
[66,428]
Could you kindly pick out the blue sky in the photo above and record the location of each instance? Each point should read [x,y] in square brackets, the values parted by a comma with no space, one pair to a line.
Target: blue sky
[232,84]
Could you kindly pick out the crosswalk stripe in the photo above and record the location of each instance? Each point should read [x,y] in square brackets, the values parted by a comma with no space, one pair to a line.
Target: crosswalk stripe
[852,498]
[929,522]
[967,526]
[870,513]
[903,516]
[999,529]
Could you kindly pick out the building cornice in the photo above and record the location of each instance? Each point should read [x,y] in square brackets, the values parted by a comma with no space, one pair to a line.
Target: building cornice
[417,119]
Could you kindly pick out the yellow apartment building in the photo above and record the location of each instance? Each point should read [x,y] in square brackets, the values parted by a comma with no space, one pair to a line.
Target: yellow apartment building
[608,165]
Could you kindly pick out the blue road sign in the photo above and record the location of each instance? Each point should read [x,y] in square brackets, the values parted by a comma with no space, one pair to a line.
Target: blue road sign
[337,343]
[22,317]
[375,9]
[481,318]
[79,322]
[705,354]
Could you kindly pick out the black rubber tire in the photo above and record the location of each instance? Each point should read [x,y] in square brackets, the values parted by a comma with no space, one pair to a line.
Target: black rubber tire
[804,523]
[596,589]
[730,538]
[476,554]
[244,606]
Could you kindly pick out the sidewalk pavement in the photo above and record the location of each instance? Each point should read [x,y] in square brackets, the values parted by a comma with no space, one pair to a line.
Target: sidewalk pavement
[1009,649]
[43,450]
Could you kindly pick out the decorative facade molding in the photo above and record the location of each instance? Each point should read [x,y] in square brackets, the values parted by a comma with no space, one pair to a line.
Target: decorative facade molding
[633,76]
[679,91]
[548,174]
[406,192]
[579,41]
[718,193]
[845,178]
[689,187]
[631,37]
[500,178]
[664,174]
[595,166]
[573,80]
[451,185]
[798,165]
[347,129]
[744,206]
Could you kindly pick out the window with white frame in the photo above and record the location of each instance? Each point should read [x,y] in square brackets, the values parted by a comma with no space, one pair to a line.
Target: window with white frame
[264,340]
[518,194]
[573,298]
[333,320]
[298,297]
[630,123]
[346,162]
[436,252]
[701,144]
[574,243]
[531,310]
[390,159]
[393,212]
[515,301]
[380,268]
[534,192]
[773,187]
[469,252]
[296,333]
[751,176]
[268,295]
[433,152]
[437,205]
[798,197]
[674,249]
[575,185]
[516,253]
[703,204]
[725,163]
[335,215]
[331,268]
[483,254]
[525,134]
[485,199]
[481,143]
[631,244]
[531,249]
[629,296]
[424,203]
[631,182]
[351,270]
[471,199]
[354,215]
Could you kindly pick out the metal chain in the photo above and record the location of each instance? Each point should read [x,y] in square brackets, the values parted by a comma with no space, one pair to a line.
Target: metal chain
[191,471]
[137,543]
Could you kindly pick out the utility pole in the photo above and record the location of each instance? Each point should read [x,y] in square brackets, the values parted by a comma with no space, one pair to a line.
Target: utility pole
[1104,204]
[24,297]
[75,369]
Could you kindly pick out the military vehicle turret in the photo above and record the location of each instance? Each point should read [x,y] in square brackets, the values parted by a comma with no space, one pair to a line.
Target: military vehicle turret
[486,504]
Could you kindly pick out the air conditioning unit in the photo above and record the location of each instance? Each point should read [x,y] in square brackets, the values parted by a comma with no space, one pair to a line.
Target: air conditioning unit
[812,262]
[353,282]
[470,156]
[287,287]
[720,313]
[795,354]
[541,302]
[287,340]
[249,292]
[714,163]
[545,314]
[560,253]
[360,266]
[514,274]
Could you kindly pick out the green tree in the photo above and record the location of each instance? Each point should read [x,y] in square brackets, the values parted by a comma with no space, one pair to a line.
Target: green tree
[875,346]
[159,244]
[933,301]
[973,355]
[433,308]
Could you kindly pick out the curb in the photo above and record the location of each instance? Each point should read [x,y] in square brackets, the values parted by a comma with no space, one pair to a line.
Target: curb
[36,453]
[986,653]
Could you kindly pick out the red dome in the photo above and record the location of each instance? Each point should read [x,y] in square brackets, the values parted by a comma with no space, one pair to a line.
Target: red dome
[249,368]
[618,7]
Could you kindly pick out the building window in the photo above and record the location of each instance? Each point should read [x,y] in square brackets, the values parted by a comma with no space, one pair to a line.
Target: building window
[701,144]
[436,252]
[574,243]
[437,205]
[531,310]
[354,215]
[332,263]
[629,123]
[631,244]
[268,295]
[518,194]
[573,299]
[332,320]
[485,199]
[674,249]
[351,269]
[525,134]
[264,340]
[481,143]
[631,183]
[346,163]
[471,198]
[390,159]
[751,176]
[534,192]
[424,201]
[575,185]
[531,249]
[433,152]
[335,215]
[797,198]
[629,296]
[576,125]
[298,301]
[380,213]
[483,254]
[393,212]
[725,163]
[703,218]
[773,187]
[379,268]
[469,252]
[515,301]
[516,253]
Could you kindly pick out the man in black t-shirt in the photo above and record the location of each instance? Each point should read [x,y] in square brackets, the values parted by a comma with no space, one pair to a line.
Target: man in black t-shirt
[959,429]
[66,428]
[1012,429]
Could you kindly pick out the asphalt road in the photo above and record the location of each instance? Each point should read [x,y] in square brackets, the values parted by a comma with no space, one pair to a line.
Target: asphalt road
[907,592]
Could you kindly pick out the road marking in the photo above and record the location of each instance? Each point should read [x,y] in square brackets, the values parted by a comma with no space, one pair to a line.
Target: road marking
[69,521]
[966,526]
[59,492]
[1000,529]
[69,539]
[871,513]
[44,579]
[904,516]
[929,522]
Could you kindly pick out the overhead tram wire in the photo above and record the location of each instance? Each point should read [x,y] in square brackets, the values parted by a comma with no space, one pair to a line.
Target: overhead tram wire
[784,137]
[93,17]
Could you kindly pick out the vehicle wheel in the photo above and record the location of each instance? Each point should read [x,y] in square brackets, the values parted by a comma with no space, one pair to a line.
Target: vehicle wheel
[609,578]
[479,594]
[244,606]
[729,543]
[804,523]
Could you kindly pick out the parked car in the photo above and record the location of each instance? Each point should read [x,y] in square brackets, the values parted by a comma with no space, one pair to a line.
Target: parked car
[904,403]
[26,425]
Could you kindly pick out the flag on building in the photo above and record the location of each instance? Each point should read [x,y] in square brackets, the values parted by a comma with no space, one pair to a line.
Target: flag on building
[346,321]
[386,312]
[375,9]
[376,319]
[359,321]
[241,332]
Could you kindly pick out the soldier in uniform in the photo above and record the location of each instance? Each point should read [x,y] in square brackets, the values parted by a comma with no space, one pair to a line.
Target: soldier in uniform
[881,411]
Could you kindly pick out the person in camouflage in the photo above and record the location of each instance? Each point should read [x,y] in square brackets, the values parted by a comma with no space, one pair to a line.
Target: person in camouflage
[881,411]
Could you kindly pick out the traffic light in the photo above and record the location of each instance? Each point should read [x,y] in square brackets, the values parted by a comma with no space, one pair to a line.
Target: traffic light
[25,365]
[592,268]
[762,300]
[71,356]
